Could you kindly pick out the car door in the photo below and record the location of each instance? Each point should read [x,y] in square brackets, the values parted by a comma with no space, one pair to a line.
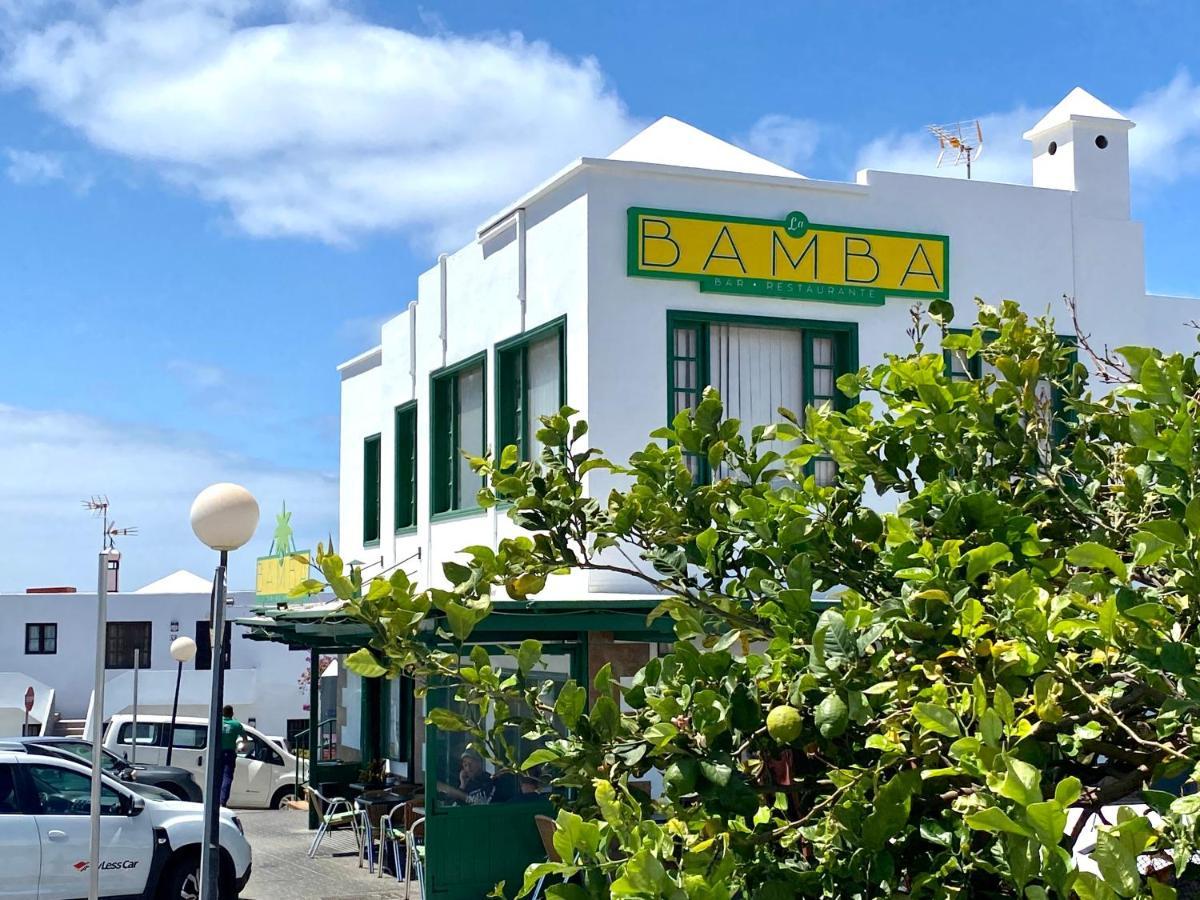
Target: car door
[190,746]
[59,795]
[257,764]
[20,846]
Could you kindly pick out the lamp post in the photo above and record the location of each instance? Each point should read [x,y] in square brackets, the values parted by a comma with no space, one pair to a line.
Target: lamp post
[183,649]
[224,517]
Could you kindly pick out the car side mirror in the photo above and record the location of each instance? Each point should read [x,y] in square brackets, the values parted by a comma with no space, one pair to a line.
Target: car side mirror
[137,805]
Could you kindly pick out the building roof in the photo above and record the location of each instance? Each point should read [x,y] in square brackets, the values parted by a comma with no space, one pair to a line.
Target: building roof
[1077,105]
[670,142]
[180,582]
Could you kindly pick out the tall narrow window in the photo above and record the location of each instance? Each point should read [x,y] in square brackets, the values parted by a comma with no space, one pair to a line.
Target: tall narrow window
[406,467]
[371,465]
[530,384]
[204,646]
[458,423]
[757,365]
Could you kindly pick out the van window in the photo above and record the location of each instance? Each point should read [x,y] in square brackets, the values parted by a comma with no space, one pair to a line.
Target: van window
[147,733]
[253,748]
[190,737]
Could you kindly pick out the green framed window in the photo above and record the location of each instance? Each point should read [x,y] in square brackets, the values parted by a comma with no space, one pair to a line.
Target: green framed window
[758,364]
[406,467]
[458,426]
[371,472]
[960,367]
[531,382]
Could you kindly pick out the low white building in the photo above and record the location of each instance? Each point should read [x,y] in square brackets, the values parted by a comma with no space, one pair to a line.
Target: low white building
[49,643]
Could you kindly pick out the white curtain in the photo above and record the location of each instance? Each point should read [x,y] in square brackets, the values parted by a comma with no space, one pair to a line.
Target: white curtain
[542,389]
[470,433]
[757,370]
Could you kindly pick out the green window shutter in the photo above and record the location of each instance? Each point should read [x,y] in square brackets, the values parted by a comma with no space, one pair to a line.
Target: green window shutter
[406,467]
[458,426]
[371,464]
[824,356]
[687,376]
[531,379]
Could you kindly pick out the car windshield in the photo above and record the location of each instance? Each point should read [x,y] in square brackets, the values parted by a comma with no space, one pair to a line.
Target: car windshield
[109,762]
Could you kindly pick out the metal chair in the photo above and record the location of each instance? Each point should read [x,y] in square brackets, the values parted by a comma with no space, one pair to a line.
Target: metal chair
[545,827]
[393,834]
[335,813]
[415,859]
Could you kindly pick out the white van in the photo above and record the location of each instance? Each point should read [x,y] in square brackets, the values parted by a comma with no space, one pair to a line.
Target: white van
[265,775]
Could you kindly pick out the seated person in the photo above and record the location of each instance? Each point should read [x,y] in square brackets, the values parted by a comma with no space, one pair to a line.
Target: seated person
[530,792]
[475,784]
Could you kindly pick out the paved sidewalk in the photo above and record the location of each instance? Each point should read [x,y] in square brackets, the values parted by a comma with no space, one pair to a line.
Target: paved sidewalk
[280,840]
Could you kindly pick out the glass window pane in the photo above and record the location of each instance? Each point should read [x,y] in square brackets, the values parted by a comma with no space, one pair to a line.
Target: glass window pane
[822,383]
[470,434]
[63,792]
[543,367]
[685,342]
[822,351]
[825,471]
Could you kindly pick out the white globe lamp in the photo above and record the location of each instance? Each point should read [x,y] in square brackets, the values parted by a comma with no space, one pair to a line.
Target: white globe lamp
[224,516]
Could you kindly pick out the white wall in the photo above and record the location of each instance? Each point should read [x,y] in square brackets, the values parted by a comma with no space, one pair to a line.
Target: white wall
[1031,244]
[262,682]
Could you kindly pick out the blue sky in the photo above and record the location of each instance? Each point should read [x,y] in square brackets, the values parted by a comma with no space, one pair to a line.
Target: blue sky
[206,205]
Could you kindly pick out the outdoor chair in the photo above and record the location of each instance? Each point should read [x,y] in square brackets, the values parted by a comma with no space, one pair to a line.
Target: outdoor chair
[415,859]
[393,833]
[335,813]
[545,827]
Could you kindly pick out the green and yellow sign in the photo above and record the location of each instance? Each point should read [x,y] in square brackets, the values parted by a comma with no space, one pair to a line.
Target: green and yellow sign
[791,258]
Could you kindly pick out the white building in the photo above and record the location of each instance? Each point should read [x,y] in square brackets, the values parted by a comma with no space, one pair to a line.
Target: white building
[49,643]
[551,304]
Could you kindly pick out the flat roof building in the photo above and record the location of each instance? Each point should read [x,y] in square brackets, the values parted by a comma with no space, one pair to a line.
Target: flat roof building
[623,285]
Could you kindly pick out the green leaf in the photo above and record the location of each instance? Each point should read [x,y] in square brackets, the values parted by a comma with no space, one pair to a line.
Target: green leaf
[995,820]
[1117,863]
[570,703]
[362,662]
[890,811]
[1022,783]
[1090,555]
[447,720]
[984,559]
[934,717]
[528,655]
[1068,790]
[1048,820]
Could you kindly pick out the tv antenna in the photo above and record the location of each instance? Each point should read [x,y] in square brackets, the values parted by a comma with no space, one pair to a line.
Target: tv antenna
[959,143]
[98,505]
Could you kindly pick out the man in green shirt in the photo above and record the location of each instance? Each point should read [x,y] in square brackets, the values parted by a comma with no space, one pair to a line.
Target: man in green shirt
[232,731]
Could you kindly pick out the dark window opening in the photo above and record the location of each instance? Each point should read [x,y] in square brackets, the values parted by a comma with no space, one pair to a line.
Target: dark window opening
[122,639]
[41,638]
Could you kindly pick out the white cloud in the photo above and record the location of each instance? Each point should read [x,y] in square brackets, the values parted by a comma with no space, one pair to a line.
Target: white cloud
[1165,145]
[51,460]
[28,167]
[317,123]
[783,139]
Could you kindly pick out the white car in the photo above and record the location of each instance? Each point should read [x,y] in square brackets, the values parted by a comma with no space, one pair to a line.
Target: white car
[149,848]
[265,774]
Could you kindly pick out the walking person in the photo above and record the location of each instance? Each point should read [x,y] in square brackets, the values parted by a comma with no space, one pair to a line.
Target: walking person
[232,732]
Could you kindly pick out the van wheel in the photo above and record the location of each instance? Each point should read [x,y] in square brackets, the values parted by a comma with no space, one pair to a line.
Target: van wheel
[283,797]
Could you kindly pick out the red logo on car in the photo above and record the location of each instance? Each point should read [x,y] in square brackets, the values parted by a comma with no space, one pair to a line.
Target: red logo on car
[81,866]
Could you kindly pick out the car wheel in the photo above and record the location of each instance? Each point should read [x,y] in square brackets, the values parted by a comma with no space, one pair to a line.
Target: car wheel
[182,880]
[283,797]
[175,790]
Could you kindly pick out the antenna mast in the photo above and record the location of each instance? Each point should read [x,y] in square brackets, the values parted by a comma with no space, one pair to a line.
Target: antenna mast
[98,506]
[958,143]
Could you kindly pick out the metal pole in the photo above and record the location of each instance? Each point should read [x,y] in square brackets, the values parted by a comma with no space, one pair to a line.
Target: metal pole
[210,857]
[174,711]
[97,721]
[137,664]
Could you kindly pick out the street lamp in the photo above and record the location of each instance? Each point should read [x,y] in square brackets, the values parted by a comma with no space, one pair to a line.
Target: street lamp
[183,649]
[224,517]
